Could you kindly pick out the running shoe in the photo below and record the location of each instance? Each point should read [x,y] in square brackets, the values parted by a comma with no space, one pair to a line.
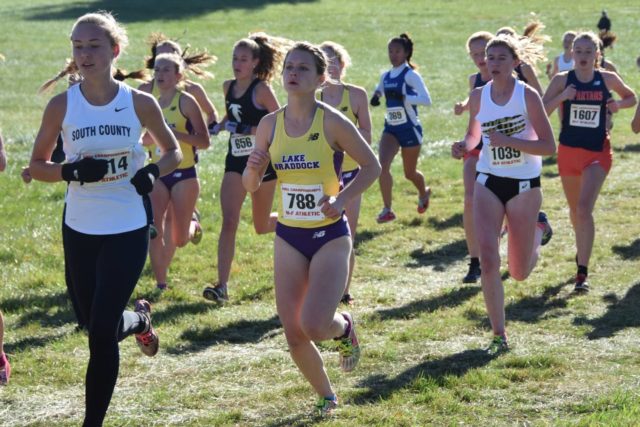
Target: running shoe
[5,372]
[162,286]
[326,406]
[582,285]
[385,215]
[547,231]
[217,293]
[197,232]
[423,202]
[148,341]
[348,347]
[347,299]
[473,275]
[498,346]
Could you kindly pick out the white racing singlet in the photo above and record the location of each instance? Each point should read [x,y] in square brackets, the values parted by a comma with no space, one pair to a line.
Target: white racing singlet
[111,132]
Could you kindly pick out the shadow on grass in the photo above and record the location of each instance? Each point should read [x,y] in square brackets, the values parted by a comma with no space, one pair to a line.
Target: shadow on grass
[454,220]
[550,161]
[450,299]
[532,308]
[380,387]
[177,310]
[30,343]
[629,148]
[299,420]
[48,310]
[365,236]
[142,11]
[240,332]
[629,252]
[621,314]
[439,258]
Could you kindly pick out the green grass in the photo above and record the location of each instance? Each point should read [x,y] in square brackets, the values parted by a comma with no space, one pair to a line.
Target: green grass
[574,360]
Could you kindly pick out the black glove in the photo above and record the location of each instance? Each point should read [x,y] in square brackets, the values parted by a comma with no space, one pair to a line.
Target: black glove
[375,100]
[143,179]
[85,170]
[235,127]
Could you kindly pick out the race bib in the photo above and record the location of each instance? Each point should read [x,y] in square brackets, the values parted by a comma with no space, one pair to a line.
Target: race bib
[584,116]
[120,166]
[505,157]
[242,145]
[300,202]
[396,116]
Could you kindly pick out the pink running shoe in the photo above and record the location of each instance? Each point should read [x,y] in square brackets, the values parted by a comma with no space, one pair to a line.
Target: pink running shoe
[349,347]
[5,370]
[423,202]
[385,215]
[148,341]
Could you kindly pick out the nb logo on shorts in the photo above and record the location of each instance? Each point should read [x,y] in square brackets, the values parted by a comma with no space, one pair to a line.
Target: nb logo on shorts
[314,136]
[319,234]
[525,186]
[177,175]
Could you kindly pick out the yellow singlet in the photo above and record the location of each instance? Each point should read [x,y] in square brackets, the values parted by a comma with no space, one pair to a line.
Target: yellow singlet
[177,121]
[307,168]
[345,108]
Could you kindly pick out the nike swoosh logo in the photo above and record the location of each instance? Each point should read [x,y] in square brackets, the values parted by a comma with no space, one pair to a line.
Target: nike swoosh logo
[120,109]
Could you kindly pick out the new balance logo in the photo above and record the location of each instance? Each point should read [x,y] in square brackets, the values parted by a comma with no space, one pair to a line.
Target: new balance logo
[525,186]
[117,110]
[314,136]
[344,109]
[319,234]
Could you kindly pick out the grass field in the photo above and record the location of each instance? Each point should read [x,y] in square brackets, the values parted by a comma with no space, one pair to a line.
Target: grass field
[574,360]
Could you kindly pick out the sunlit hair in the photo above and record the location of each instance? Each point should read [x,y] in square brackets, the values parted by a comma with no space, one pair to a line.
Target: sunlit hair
[530,45]
[269,50]
[569,33]
[115,32]
[333,49]
[117,36]
[590,36]
[173,58]
[607,39]
[478,36]
[193,62]
[72,73]
[407,44]
[523,48]
[319,58]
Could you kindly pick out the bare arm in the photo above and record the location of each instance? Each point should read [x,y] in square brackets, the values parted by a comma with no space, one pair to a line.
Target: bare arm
[635,123]
[557,93]
[3,155]
[532,79]
[197,91]
[360,107]
[343,135]
[40,166]
[200,136]
[259,158]
[627,95]
[150,116]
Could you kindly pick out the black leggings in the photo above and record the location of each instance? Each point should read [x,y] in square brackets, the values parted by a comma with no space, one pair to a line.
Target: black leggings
[104,270]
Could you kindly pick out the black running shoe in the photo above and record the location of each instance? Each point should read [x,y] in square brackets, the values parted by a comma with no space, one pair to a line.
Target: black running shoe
[473,275]
[582,286]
